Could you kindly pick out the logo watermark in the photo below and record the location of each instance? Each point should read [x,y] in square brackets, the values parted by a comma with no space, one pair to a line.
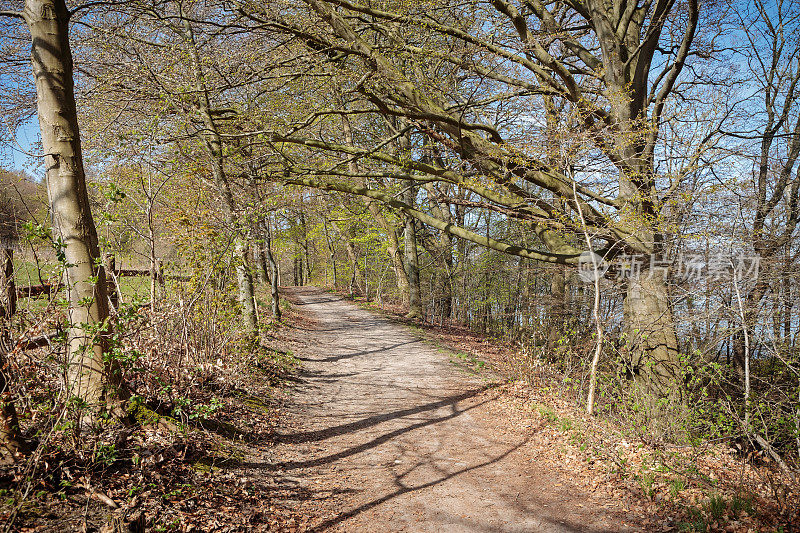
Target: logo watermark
[592,266]
[685,267]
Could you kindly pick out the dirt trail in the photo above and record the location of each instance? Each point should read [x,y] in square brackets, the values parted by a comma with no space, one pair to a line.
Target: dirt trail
[390,435]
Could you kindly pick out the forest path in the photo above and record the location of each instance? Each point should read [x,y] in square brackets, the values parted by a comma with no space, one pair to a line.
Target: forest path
[387,434]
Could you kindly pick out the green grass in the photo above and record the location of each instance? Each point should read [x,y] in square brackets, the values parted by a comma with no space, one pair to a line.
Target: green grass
[676,486]
[27,272]
[471,362]
[743,502]
[647,482]
[133,288]
[717,506]
[547,413]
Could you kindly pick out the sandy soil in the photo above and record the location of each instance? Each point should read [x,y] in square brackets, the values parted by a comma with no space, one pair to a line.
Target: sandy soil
[389,434]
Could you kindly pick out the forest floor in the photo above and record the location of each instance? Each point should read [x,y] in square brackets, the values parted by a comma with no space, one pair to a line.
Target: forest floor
[355,420]
[390,433]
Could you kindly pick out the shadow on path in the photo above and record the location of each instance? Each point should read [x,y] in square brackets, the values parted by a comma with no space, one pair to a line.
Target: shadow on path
[324,433]
[393,437]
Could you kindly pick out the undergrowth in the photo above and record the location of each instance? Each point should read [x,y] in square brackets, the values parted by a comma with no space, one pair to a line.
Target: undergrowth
[197,399]
[687,459]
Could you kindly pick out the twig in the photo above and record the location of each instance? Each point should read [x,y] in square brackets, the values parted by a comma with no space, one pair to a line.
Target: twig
[595,308]
[743,316]
[772,453]
[101,497]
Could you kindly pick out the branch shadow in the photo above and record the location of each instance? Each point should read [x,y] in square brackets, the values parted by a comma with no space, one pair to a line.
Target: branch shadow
[334,358]
[408,489]
[317,435]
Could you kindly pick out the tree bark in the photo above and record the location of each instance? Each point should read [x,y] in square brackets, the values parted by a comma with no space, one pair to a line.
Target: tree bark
[305,262]
[353,257]
[392,248]
[650,337]
[332,252]
[213,144]
[11,442]
[273,268]
[8,288]
[151,244]
[84,276]
[259,257]
[412,265]
[411,255]
[244,279]
[154,271]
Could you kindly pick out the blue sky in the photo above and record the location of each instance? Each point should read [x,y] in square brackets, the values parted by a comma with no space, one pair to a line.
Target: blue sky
[12,158]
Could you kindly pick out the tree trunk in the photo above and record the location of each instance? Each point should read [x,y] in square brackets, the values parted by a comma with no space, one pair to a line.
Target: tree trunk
[393,247]
[11,442]
[650,337]
[446,291]
[158,279]
[751,303]
[412,267]
[213,145]
[332,252]
[8,288]
[259,257]
[308,264]
[151,243]
[788,303]
[84,276]
[305,261]
[557,307]
[352,256]
[464,314]
[154,266]
[298,267]
[244,278]
[273,270]
[412,259]
[112,287]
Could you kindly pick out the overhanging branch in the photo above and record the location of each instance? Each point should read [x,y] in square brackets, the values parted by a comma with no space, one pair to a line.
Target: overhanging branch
[487,242]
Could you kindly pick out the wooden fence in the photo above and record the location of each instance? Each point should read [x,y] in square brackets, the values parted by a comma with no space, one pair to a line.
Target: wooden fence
[10,293]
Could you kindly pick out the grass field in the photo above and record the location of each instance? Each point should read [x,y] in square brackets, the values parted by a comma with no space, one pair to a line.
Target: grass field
[28,273]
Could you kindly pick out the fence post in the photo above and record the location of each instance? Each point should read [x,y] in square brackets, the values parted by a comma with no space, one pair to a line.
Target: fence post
[11,442]
[156,282]
[8,299]
[8,304]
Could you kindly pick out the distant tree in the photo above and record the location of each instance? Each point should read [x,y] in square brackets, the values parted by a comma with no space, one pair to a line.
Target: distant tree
[773,122]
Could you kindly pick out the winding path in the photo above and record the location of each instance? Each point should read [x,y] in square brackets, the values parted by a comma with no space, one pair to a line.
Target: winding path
[390,435]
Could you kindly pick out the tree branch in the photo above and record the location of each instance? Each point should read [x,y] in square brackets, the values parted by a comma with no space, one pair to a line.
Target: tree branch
[571,257]
[13,14]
